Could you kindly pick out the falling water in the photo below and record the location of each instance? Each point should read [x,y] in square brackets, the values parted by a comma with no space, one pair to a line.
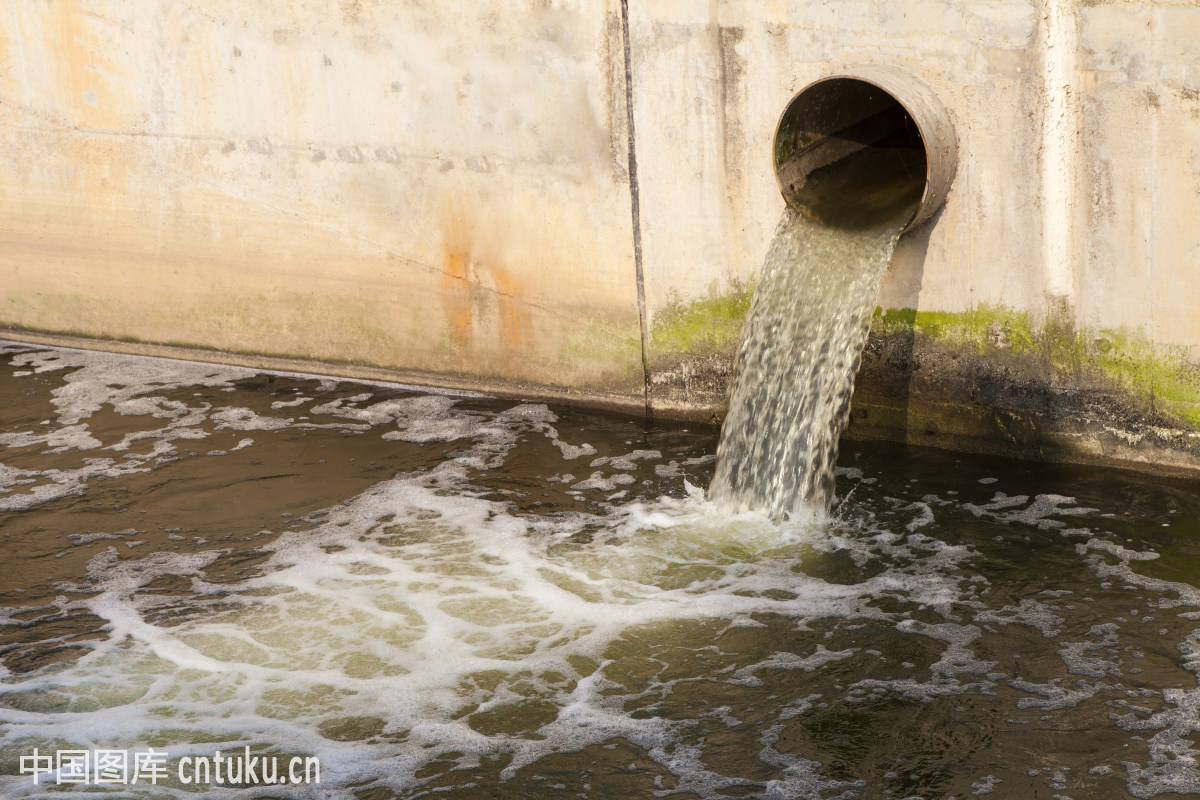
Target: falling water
[804,336]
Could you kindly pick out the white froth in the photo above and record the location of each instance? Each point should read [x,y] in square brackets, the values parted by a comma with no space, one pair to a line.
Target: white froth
[406,593]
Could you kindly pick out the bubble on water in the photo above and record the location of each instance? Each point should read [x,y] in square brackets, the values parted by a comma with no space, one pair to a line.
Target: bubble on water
[430,610]
[89,538]
[628,461]
[243,419]
[69,437]
[133,386]
[44,486]
[1027,612]
[985,785]
[597,481]
[1079,656]
[818,658]
[97,379]
[296,401]
[1174,766]
[1039,513]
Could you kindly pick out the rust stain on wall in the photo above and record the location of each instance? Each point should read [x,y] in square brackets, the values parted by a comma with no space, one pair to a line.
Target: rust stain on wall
[484,302]
[514,319]
[456,280]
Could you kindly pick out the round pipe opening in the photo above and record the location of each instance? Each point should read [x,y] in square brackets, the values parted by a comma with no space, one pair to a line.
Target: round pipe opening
[865,149]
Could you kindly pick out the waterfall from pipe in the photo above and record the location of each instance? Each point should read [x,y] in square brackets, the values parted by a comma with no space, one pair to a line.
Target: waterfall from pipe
[804,337]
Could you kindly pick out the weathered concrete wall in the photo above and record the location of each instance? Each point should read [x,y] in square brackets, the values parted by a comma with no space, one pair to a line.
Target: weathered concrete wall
[1139,75]
[446,188]
[981,58]
[375,182]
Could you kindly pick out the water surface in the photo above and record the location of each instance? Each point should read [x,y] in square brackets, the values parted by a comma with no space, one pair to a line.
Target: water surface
[453,596]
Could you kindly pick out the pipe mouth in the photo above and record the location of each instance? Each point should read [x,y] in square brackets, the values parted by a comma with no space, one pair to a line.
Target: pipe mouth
[866,148]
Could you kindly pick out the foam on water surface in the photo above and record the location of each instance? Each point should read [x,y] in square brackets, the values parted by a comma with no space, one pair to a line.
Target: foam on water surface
[459,623]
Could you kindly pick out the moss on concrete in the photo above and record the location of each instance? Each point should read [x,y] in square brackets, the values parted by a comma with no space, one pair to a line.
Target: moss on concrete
[1161,378]
[983,329]
[708,326]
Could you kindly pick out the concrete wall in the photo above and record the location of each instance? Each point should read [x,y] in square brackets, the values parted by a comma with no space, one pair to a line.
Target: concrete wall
[445,188]
[375,182]
[711,83]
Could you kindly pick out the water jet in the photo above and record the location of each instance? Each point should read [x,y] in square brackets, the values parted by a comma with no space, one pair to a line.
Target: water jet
[861,158]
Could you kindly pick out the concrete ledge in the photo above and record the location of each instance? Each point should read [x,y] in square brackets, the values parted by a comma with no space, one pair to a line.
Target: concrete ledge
[924,394]
[633,406]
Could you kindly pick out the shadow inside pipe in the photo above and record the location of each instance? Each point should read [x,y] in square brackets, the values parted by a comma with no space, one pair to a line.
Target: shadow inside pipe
[865,190]
[850,156]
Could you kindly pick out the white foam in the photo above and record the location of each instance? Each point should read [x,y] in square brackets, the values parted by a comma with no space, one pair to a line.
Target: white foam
[96,379]
[297,401]
[1026,612]
[243,419]
[628,461]
[408,590]
[815,660]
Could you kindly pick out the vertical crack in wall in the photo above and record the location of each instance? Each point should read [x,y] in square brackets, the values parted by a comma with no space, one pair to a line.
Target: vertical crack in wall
[635,209]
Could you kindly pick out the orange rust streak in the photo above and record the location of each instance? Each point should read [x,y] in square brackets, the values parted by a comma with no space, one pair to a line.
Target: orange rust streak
[456,296]
[514,317]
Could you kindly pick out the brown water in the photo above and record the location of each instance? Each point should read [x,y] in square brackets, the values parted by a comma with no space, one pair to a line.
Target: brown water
[446,596]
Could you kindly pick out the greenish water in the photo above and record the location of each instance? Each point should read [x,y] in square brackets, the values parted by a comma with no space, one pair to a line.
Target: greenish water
[453,596]
[796,364]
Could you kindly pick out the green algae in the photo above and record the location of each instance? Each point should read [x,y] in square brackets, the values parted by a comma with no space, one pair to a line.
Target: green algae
[981,330]
[1163,376]
[709,326]
[1159,377]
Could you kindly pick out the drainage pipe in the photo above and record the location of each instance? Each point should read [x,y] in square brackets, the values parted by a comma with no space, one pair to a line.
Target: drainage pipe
[856,148]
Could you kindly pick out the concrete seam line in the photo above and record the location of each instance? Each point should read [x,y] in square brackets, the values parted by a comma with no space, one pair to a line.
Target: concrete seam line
[1060,144]
[636,209]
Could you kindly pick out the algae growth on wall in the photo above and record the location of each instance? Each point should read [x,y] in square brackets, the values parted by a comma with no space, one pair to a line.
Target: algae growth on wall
[992,379]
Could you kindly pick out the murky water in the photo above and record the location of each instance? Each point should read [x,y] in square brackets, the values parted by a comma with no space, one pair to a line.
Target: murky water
[450,596]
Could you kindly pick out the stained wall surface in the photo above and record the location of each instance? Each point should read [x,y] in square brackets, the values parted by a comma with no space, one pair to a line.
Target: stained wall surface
[372,182]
